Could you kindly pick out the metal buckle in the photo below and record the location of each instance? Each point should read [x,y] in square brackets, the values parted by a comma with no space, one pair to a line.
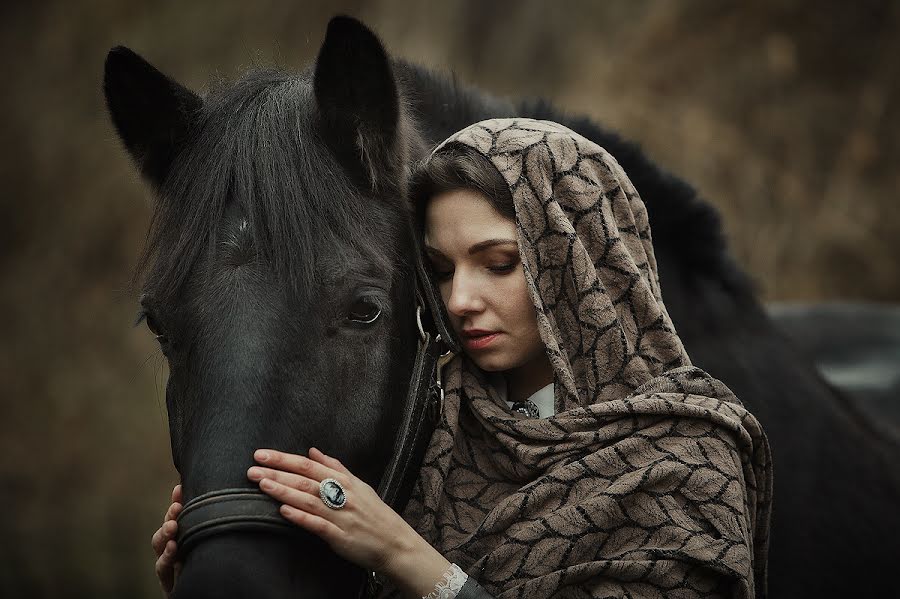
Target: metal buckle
[442,361]
[422,334]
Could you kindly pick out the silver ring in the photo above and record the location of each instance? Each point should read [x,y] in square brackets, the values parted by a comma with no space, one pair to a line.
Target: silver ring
[332,494]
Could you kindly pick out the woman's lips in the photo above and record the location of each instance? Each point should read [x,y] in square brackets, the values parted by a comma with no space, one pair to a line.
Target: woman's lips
[479,341]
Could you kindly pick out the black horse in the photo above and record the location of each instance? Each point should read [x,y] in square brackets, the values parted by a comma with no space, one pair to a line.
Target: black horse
[278,280]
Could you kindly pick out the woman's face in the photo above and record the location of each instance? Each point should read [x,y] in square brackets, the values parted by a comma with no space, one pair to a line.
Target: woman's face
[475,258]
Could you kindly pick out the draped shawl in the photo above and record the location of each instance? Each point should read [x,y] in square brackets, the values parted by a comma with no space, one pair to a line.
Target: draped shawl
[652,479]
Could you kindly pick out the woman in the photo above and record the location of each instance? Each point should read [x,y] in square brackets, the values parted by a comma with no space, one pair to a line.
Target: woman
[579,453]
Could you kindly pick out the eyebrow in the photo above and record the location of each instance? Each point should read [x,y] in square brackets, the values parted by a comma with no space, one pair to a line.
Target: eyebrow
[478,247]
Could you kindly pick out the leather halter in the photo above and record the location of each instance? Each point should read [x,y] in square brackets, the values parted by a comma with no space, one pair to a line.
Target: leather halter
[247,509]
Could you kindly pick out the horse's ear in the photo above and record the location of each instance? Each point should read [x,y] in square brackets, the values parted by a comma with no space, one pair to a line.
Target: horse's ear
[357,97]
[151,112]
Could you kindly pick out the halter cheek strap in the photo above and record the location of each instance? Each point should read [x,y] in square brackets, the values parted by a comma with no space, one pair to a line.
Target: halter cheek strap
[424,406]
[425,399]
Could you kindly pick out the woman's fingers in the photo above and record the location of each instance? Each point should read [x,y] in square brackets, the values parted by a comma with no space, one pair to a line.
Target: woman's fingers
[163,535]
[164,545]
[167,530]
[169,526]
[317,525]
[158,541]
[165,567]
[289,479]
[297,464]
[172,512]
[306,501]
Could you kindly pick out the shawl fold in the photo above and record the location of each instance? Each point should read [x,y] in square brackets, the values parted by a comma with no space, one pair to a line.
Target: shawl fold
[651,480]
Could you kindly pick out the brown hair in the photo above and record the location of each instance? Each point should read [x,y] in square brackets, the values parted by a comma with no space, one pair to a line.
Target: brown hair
[458,167]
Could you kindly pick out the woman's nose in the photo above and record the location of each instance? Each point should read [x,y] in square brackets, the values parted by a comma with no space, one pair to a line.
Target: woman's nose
[464,296]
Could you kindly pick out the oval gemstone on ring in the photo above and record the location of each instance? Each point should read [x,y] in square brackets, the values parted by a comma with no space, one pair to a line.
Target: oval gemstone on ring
[332,493]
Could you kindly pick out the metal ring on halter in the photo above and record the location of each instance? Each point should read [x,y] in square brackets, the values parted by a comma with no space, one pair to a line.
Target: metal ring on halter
[422,334]
[332,494]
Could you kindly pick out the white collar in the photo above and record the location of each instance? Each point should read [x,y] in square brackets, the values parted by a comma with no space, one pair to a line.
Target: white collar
[544,398]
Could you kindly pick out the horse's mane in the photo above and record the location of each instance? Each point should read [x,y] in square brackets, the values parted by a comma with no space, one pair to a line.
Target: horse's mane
[254,150]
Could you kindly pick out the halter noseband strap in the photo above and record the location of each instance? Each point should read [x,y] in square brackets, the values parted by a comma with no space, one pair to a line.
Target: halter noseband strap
[228,510]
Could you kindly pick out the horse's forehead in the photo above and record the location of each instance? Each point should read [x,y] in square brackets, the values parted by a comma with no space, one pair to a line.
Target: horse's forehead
[235,237]
[337,259]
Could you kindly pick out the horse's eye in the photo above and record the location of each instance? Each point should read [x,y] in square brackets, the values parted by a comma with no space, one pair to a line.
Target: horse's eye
[151,324]
[155,329]
[364,311]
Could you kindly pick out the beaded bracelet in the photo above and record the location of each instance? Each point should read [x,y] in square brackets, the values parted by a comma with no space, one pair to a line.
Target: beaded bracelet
[454,579]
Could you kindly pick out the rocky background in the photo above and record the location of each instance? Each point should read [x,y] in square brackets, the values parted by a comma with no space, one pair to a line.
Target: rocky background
[784,114]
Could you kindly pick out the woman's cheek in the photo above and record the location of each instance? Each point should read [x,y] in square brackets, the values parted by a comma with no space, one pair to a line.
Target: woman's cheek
[518,297]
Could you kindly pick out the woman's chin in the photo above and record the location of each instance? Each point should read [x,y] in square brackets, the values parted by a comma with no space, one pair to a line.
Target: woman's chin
[492,363]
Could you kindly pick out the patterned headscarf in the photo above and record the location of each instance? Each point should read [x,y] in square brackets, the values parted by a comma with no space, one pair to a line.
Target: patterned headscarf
[651,479]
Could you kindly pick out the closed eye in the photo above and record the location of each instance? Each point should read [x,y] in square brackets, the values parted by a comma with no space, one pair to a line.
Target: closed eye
[439,267]
[441,275]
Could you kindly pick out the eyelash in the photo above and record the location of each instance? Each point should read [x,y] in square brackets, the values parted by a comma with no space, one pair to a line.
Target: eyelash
[500,269]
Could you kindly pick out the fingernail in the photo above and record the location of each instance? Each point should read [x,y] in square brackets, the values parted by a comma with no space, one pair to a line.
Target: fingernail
[262,456]
[254,473]
[266,484]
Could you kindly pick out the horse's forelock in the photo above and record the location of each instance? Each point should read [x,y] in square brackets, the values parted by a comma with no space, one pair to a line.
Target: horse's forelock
[258,145]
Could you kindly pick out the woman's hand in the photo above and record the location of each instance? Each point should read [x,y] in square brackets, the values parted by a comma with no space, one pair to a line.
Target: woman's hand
[163,543]
[366,531]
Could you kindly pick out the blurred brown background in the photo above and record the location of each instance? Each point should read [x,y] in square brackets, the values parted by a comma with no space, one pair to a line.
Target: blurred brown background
[784,114]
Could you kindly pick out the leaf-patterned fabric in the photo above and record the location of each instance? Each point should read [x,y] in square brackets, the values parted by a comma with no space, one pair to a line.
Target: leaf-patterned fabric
[651,480]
